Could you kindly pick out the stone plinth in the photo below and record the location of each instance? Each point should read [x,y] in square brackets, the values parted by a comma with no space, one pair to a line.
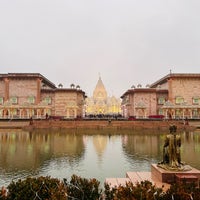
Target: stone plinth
[167,176]
[187,179]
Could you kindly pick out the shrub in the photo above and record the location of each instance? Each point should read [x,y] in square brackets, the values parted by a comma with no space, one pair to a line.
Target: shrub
[142,191]
[185,191]
[88,189]
[3,193]
[81,188]
[36,188]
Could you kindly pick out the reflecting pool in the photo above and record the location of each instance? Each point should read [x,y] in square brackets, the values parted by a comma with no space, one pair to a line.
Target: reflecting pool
[90,154]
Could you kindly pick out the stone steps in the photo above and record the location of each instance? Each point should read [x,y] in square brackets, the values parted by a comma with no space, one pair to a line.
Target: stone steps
[137,177]
[159,177]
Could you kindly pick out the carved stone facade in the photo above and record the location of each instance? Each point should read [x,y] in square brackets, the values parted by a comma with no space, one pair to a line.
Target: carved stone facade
[101,104]
[174,96]
[25,95]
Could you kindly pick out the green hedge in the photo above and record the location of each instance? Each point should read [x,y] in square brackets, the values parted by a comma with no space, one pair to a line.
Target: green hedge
[78,188]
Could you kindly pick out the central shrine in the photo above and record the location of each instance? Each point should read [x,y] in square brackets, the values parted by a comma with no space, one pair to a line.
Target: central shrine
[100,103]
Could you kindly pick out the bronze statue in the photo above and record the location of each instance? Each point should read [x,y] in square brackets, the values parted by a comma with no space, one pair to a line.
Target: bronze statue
[171,151]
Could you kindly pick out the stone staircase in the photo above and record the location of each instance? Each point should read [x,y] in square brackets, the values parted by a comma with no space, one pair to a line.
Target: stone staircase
[159,177]
[136,177]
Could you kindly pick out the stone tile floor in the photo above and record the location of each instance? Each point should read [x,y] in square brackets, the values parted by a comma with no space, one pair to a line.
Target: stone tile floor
[136,177]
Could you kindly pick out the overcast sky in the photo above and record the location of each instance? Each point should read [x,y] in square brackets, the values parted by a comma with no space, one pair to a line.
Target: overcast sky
[127,42]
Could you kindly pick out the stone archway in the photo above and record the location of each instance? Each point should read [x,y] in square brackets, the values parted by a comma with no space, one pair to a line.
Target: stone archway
[141,110]
[140,113]
[23,113]
[6,113]
[71,112]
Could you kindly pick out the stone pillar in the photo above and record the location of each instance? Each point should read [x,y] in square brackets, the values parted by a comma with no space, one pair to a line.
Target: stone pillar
[28,113]
[20,113]
[183,112]
[75,112]
[170,94]
[6,81]
[191,114]
[145,114]
[38,91]
[37,114]
[9,114]
[166,112]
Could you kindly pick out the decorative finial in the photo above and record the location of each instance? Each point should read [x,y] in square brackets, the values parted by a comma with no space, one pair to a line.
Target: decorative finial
[170,71]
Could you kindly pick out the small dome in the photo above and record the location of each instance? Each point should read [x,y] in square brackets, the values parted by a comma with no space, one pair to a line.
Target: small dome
[147,86]
[133,86]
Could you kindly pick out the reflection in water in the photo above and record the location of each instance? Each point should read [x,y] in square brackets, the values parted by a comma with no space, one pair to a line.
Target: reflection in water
[190,149]
[96,154]
[24,152]
[142,150]
[100,143]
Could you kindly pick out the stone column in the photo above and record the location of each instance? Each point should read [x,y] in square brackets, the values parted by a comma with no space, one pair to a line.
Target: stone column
[170,95]
[6,81]
[166,111]
[145,114]
[37,114]
[191,114]
[38,91]
[20,113]
[75,112]
[183,112]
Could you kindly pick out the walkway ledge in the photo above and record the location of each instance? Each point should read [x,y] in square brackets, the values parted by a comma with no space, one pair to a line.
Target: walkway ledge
[137,177]
[159,177]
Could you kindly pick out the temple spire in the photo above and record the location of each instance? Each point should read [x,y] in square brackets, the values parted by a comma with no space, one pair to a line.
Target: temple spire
[100,90]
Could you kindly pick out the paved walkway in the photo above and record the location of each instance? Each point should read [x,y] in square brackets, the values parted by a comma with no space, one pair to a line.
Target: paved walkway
[137,177]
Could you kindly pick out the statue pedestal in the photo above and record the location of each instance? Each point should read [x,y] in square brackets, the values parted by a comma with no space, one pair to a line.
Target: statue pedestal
[167,176]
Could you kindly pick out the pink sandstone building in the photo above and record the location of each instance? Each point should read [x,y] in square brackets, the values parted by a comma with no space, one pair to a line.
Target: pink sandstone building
[26,95]
[175,96]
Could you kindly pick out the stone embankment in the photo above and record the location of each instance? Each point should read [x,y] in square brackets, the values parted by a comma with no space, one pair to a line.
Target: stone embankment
[11,124]
[95,124]
[104,124]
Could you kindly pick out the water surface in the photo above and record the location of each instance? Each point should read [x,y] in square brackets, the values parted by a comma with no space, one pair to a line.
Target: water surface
[91,154]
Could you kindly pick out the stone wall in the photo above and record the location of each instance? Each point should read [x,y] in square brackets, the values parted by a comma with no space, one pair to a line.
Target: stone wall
[186,88]
[66,103]
[104,124]
[2,88]
[22,89]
